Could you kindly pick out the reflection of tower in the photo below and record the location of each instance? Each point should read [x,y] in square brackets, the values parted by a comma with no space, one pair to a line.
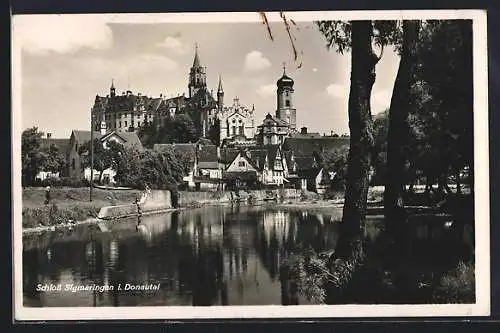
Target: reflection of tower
[113,253]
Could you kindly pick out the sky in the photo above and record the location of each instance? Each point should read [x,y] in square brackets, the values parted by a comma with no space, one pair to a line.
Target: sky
[67,60]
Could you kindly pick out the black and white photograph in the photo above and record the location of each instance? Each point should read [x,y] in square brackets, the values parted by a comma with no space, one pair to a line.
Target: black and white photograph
[250,165]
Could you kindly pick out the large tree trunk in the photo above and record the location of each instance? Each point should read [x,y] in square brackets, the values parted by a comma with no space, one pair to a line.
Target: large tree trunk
[398,132]
[361,142]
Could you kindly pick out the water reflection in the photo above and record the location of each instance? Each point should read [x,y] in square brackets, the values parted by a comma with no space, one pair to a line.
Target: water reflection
[207,256]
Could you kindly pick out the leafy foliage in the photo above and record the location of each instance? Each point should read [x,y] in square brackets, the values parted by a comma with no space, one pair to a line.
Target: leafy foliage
[338,34]
[103,156]
[157,170]
[34,158]
[179,129]
[335,161]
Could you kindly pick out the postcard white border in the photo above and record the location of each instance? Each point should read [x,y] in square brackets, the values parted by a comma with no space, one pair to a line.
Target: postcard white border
[482,208]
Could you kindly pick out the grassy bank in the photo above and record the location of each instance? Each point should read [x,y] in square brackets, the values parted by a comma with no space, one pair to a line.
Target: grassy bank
[69,204]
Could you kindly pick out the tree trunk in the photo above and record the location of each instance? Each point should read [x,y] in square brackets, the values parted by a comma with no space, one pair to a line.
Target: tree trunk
[361,141]
[398,132]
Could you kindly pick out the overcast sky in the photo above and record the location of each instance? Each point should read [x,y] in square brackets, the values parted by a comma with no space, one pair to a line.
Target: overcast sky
[67,60]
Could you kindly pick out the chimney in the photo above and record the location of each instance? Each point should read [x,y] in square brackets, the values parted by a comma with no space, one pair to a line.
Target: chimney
[331,133]
[49,135]
[303,130]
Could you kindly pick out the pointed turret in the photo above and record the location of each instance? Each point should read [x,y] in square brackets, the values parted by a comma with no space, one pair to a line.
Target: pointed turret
[220,95]
[220,90]
[196,61]
[112,90]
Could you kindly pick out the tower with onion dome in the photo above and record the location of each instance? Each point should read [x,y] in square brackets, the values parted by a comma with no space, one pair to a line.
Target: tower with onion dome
[285,109]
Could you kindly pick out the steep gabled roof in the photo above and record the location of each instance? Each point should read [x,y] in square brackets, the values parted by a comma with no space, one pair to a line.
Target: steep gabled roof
[62,144]
[257,157]
[131,139]
[84,136]
[227,155]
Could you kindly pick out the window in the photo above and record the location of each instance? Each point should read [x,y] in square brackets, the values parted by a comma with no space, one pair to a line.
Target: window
[73,164]
[120,124]
[139,124]
[242,130]
[241,163]
[234,130]
[76,147]
[287,103]
[125,123]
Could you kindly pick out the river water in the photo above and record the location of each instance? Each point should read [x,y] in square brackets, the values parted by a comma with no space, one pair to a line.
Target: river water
[205,256]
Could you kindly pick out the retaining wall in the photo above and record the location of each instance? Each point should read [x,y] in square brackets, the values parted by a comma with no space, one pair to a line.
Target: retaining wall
[155,201]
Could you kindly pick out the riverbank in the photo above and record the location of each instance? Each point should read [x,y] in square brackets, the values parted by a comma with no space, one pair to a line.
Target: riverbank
[68,205]
[71,206]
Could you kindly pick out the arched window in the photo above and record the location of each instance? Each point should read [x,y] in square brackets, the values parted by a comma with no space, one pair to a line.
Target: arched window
[287,103]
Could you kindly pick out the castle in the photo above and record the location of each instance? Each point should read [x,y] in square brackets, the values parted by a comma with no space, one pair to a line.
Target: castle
[235,123]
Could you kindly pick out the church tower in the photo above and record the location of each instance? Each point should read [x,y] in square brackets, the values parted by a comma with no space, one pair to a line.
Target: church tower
[285,110]
[197,75]
[220,96]
[112,91]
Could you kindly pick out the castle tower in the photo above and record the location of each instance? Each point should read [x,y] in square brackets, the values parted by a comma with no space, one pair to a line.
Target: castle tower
[112,91]
[197,75]
[220,96]
[285,110]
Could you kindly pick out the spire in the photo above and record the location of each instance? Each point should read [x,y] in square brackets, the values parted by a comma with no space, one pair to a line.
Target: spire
[220,90]
[284,68]
[196,62]
[112,88]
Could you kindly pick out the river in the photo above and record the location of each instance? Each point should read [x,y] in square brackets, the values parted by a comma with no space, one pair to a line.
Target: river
[204,256]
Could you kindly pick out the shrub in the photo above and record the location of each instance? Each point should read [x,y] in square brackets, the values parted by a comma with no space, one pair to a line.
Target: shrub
[62,182]
[457,286]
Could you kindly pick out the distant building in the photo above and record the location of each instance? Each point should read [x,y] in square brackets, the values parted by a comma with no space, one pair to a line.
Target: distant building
[127,112]
[78,138]
[237,125]
[274,129]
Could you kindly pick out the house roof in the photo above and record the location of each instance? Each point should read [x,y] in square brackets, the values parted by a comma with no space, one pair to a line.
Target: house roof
[131,139]
[208,165]
[305,135]
[227,155]
[204,141]
[129,102]
[277,121]
[309,146]
[305,163]
[207,153]
[84,136]
[62,144]
[308,173]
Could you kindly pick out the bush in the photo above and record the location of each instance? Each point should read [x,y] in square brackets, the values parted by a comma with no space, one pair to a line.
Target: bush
[52,215]
[457,286]
[62,182]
